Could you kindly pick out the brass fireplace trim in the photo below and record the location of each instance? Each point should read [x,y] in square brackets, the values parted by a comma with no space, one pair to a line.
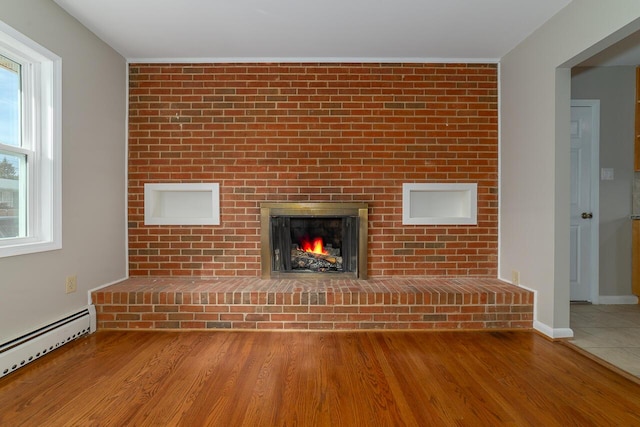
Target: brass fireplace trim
[313,210]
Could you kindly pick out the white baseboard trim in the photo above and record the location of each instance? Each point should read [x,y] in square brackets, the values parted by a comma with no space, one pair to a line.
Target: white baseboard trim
[554,333]
[617,299]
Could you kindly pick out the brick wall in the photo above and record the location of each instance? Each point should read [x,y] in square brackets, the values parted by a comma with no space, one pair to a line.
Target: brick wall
[313,132]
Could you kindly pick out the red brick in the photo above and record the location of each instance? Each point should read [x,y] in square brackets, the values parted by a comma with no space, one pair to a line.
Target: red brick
[192,325]
[140,325]
[461,308]
[256,137]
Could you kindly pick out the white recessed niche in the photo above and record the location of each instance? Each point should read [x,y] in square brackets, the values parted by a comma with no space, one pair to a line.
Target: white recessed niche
[182,204]
[440,204]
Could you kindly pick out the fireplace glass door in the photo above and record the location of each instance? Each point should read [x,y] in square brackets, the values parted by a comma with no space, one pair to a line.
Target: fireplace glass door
[316,239]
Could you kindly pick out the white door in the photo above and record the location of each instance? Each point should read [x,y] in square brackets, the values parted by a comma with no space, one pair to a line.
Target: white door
[584,189]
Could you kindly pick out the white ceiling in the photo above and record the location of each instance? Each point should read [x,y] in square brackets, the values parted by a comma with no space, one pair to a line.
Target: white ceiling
[319,30]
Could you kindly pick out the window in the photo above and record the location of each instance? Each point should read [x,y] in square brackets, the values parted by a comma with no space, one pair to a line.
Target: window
[30,152]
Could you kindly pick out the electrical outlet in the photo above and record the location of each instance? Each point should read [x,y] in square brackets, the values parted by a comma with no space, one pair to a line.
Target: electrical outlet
[71,285]
[515,277]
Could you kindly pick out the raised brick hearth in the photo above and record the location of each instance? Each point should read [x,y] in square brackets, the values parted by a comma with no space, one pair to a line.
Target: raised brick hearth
[254,303]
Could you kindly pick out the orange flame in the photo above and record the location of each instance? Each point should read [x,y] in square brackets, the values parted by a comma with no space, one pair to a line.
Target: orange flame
[315,246]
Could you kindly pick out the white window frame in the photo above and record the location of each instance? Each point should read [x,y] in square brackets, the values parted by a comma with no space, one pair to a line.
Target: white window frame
[42,142]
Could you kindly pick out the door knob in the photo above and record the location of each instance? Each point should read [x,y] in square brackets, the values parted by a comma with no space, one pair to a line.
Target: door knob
[587,215]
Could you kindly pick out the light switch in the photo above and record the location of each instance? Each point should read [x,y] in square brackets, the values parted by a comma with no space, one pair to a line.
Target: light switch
[606,174]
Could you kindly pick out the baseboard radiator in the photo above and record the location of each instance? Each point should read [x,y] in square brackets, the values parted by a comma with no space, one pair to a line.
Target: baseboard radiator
[20,351]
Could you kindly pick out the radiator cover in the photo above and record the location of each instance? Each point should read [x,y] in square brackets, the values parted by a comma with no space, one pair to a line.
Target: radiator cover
[18,352]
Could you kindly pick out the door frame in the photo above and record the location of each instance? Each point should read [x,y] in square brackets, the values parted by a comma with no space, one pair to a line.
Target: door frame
[594,256]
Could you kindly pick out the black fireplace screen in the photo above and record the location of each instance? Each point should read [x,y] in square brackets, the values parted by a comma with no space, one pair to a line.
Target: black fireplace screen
[313,240]
[314,244]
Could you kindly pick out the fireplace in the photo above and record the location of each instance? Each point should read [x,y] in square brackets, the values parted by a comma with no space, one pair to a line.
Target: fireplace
[313,240]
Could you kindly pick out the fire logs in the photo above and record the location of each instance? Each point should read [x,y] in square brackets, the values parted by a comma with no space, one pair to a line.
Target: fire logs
[301,260]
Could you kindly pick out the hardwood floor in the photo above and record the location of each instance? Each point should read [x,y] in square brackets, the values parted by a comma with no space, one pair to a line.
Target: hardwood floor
[316,379]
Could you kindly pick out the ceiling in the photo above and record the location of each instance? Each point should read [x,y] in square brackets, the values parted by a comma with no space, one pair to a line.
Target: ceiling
[321,30]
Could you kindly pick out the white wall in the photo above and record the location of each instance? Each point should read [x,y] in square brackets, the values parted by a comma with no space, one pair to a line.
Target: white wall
[615,88]
[93,175]
[535,81]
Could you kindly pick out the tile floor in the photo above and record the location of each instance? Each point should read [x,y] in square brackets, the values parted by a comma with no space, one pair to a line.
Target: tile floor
[610,332]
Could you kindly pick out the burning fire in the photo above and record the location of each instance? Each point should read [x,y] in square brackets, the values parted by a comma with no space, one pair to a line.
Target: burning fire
[315,245]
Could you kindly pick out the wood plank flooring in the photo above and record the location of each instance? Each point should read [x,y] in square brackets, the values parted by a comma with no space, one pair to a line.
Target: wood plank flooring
[207,378]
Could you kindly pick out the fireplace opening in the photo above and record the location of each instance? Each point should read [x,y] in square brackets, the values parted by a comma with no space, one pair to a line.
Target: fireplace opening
[315,244]
[314,239]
